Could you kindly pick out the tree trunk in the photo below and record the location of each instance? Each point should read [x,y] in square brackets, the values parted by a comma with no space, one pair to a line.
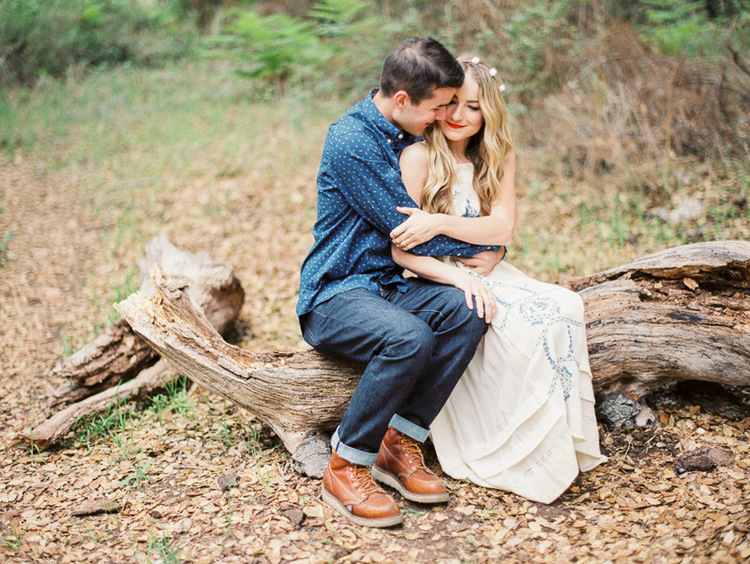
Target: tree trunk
[680,314]
[683,313]
[118,354]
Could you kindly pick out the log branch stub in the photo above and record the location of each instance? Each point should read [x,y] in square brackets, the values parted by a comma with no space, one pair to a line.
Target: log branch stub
[298,394]
[54,429]
[119,354]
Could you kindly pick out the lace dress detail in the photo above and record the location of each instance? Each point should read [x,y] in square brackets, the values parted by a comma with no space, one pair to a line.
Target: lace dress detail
[522,416]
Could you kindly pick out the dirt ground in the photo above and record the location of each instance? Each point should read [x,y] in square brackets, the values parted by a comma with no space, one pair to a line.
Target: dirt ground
[161,472]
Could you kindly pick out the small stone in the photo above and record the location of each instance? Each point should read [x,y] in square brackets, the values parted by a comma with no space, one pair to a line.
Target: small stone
[312,455]
[703,459]
[96,507]
[618,410]
[295,516]
[228,481]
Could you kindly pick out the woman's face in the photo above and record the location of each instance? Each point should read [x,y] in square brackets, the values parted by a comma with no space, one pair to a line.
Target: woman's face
[464,117]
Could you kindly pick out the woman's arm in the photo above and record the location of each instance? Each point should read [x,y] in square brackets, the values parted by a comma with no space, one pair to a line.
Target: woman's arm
[494,229]
[432,269]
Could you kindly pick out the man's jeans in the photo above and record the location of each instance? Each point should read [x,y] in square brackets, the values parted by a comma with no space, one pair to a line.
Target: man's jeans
[416,345]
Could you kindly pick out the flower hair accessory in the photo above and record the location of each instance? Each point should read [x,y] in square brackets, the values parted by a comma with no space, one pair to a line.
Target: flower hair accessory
[492,71]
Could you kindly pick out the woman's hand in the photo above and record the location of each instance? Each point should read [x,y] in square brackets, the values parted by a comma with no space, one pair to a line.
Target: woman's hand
[483,262]
[476,292]
[418,228]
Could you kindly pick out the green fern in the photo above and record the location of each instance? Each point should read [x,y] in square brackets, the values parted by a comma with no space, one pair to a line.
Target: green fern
[335,18]
[272,46]
[680,27]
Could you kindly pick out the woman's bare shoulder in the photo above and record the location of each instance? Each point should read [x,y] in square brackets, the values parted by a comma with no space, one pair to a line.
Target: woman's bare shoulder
[415,155]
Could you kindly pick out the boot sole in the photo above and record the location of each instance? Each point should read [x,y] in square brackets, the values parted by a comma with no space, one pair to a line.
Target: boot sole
[377,522]
[389,479]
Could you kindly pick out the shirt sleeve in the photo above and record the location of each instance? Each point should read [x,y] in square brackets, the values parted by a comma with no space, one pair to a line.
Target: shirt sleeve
[373,188]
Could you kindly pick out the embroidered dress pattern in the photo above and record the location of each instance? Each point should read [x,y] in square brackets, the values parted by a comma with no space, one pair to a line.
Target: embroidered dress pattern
[522,417]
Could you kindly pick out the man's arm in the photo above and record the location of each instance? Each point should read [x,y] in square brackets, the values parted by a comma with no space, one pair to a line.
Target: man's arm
[373,187]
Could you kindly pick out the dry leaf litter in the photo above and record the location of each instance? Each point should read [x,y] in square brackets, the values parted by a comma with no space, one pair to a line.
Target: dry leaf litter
[210,484]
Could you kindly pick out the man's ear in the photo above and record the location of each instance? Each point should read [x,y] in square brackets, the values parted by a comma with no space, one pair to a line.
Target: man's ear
[401,99]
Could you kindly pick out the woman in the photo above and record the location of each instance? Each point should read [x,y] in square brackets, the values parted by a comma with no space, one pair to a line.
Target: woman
[522,417]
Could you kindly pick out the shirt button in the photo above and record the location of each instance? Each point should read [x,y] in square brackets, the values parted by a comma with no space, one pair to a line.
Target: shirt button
[400,135]
[389,141]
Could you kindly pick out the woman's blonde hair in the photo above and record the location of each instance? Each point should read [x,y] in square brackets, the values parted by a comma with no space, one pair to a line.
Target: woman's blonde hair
[487,149]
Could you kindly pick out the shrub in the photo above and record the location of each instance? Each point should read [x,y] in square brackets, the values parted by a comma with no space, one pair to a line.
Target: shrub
[43,37]
[336,47]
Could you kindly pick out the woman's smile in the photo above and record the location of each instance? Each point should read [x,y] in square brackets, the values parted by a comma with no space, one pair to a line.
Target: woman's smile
[454,125]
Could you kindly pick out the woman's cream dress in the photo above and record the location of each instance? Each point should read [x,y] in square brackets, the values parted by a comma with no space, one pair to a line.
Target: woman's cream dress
[522,417]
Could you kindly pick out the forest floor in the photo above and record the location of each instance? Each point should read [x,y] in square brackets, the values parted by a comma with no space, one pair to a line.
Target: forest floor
[159,465]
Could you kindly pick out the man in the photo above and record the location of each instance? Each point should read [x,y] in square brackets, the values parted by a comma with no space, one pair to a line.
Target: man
[416,337]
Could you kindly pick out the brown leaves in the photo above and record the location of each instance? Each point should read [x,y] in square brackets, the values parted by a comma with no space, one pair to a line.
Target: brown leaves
[634,508]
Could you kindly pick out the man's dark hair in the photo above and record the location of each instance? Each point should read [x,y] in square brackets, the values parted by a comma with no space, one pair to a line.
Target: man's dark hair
[419,66]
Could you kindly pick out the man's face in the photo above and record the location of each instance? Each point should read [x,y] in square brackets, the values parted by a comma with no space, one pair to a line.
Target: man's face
[414,119]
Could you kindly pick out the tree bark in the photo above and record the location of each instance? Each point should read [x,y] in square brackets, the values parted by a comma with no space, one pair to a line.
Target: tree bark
[679,314]
[683,313]
[118,354]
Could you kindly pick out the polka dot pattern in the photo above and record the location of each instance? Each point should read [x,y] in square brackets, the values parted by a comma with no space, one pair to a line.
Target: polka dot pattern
[359,187]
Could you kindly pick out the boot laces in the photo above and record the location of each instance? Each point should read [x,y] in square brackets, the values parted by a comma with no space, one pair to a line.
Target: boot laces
[413,452]
[363,480]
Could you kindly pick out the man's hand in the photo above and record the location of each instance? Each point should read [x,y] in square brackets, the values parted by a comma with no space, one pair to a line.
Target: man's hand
[483,262]
[418,228]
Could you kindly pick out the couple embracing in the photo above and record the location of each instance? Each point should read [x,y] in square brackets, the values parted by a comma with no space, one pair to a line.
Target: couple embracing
[493,365]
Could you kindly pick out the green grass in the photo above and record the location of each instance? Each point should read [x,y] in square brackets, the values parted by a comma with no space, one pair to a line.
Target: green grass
[135,138]
[15,541]
[5,241]
[160,550]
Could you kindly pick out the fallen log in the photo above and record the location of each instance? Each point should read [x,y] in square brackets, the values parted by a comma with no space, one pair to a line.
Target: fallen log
[119,354]
[683,313]
[679,314]
[119,365]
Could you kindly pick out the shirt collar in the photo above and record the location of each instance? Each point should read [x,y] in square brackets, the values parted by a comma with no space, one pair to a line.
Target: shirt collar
[397,138]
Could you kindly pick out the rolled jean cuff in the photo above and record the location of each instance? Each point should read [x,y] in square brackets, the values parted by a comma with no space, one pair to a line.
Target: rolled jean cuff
[409,429]
[353,455]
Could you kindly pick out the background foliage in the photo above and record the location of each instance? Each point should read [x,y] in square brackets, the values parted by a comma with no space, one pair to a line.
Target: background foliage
[626,106]
[204,119]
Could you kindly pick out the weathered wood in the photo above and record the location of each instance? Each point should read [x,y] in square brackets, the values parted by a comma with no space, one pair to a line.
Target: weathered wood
[118,354]
[296,394]
[681,314]
[119,364]
[643,322]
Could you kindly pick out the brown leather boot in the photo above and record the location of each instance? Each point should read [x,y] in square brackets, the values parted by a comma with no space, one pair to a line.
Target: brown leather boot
[400,464]
[350,490]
